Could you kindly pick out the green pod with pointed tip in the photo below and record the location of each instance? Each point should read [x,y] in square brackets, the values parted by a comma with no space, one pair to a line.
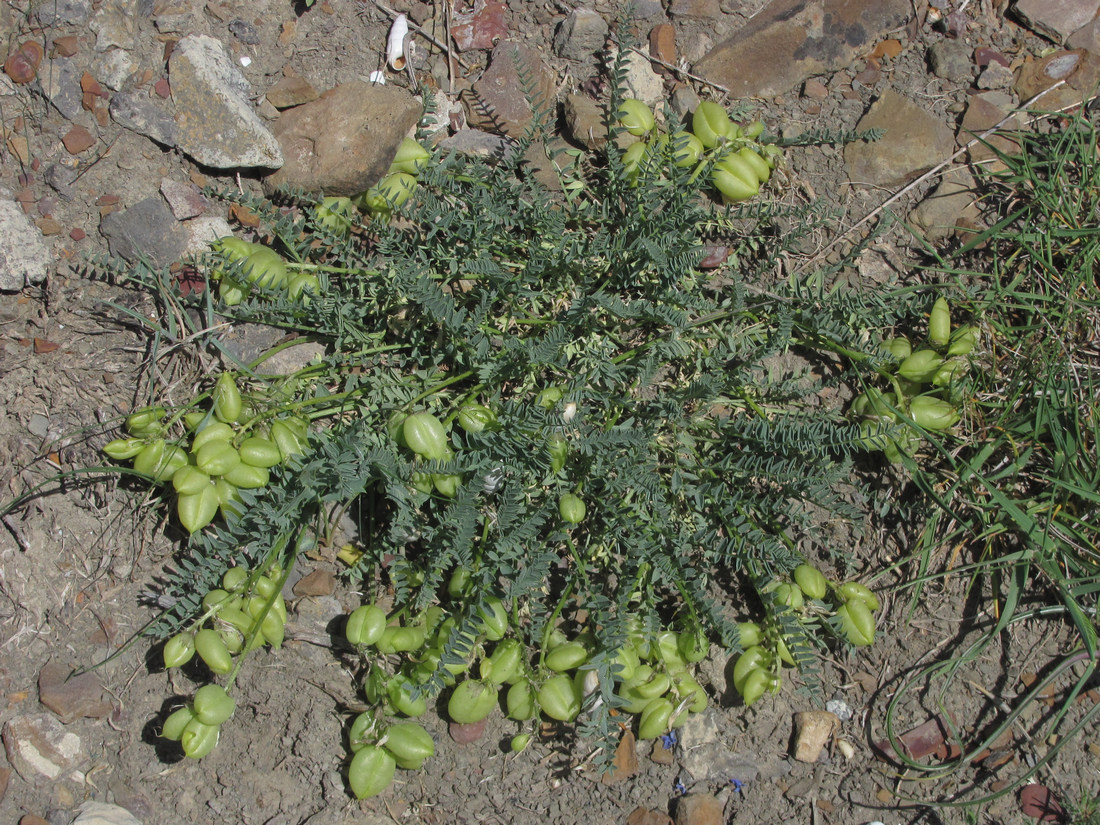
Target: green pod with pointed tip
[371,771]
[939,323]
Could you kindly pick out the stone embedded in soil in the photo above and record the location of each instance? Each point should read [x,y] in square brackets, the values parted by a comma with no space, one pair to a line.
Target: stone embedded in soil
[102,813]
[705,9]
[115,69]
[291,91]
[54,12]
[114,24]
[184,199]
[1080,69]
[497,102]
[625,764]
[646,816]
[40,749]
[343,142]
[642,82]
[915,140]
[812,731]
[581,35]
[996,76]
[77,140]
[791,40]
[1086,37]
[217,125]
[715,761]
[143,114]
[951,60]
[24,258]
[479,28]
[72,698]
[983,112]
[466,734]
[59,81]
[1057,19]
[145,230]
[699,809]
[584,121]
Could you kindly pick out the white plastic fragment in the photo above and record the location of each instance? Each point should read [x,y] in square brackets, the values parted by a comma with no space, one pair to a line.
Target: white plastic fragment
[246,61]
[395,43]
[378,76]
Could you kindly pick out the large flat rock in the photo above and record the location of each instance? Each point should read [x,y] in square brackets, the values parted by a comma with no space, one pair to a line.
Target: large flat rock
[792,40]
[914,142]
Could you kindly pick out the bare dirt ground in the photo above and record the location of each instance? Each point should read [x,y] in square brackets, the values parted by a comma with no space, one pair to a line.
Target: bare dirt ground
[76,559]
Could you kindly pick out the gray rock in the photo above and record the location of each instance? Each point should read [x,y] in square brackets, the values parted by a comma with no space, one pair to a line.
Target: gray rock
[62,12]
[475,143]
[715,761]
[145,231]
[143,114]
[914,142]
[684,100]
[362,123]
[791,40]
[245,32]
[641,81]
[983,112]
[497,103]
[201,232]
[59,82]
[113,24]
[1057,19]
[24,257]
[184,199]
[708,9]
[950,59]
[115,69]
[61,179]
[217,124]
[40,749]
[996,76]
[581,35]
[101,813]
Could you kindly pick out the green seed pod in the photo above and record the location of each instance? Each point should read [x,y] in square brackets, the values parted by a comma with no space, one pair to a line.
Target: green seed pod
[471,701]
[568,656]
[732,187]
[410,745]
[178,650]
[520,702]
[900,348]
[856,622]
[361,731]
[426,436]
[811,580]
[288,443]
[213,652]
[123,448]
[197,510]
[213,431]
[558,448]
[371,771]
[920,366]
[389,194]
[302,286]
[686,149]
[265,268]
[632,160]
[753,686]
[227,399]
[711,124]
[947,374]
[654,719]
[789,594]
[475,418]
[963,341]
[854,590]
[519,742]
[754,658]
[693,646]
[145,421]
[749,634]
[411,158]
[757,164]
[559,699]
[494,619]
[399,691]
[506,662]
[365,625]
[229,499]
[635,117]
[447,484]
[198,739]
[334,214]
[939,323]
[217,458]
[212,705]
[571,508]
[176,722]
[247,477]
[932,413]
[257,451]
[188,480]
[234,579]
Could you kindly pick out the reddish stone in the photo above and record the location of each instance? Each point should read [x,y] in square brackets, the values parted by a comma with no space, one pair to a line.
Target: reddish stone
[102,116]
[480,28]
[466,734]
[22,64]
[107,200]
[662,42]
[65,46]
[814,88]
[78,234]
[89,85]
[1038,801]
[983,56]
[78,140]
[162,88]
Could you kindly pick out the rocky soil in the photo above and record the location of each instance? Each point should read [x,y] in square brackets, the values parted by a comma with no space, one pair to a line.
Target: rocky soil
[114,114]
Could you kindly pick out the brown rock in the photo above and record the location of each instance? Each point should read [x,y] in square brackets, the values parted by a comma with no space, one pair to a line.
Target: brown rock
[793,39]
[317,583]
[699,809]
[467,734]
[65,46]
[815,89]
[48,226]
[22,64]
[71,697]
[1038,75]
[660,754]
[662,42]
[812,731]
[625,764]
[33,819]
[497,103]
[78,140]
[914,142]
[291,91]
[89,85]
[983,112]
[710,9]
[645,816]
[362,125]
